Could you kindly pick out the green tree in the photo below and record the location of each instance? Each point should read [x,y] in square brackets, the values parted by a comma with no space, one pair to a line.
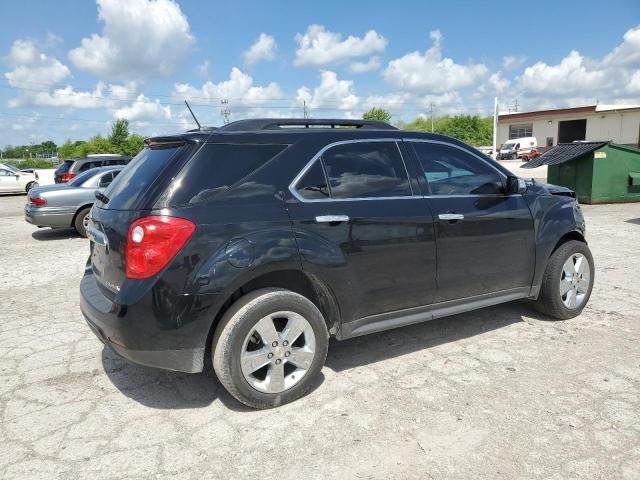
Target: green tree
[119,134]
[376,113]
[134,144]
[471,129]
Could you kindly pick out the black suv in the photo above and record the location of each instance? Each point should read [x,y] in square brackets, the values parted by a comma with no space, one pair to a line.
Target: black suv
[250,245]
[73,167]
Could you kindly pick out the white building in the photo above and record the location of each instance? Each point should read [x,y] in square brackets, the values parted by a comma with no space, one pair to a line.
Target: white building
[618,123]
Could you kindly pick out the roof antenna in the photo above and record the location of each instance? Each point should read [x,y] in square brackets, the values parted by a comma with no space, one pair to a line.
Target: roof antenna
[193,115]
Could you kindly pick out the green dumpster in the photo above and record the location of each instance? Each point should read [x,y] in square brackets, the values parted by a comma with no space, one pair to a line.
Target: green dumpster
[599,172]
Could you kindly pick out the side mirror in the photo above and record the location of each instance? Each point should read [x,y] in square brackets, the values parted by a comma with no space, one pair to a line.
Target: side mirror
[515,185]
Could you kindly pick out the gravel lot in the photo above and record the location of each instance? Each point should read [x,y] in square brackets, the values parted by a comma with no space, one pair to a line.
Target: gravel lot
[496,393]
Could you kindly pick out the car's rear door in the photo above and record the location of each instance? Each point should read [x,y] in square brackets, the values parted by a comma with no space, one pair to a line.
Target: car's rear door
[362,229]
[485,239]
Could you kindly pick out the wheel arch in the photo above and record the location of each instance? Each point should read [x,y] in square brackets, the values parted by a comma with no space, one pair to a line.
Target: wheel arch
[80,208]
[298,281]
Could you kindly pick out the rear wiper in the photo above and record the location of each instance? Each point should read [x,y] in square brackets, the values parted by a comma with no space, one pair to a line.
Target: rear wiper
[102,197]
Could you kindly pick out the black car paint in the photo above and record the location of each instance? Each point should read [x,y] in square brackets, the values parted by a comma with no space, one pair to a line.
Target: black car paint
[382,264]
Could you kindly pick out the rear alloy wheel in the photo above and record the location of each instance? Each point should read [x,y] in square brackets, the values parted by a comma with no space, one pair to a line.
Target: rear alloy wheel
[269,346]
[567,282]
[81,222]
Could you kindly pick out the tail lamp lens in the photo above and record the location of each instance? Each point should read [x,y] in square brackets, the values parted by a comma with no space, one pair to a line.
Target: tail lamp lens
[67,176]
[153,241]
[38,201]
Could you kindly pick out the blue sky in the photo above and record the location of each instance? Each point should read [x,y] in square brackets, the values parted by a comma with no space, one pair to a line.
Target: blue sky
[70,67]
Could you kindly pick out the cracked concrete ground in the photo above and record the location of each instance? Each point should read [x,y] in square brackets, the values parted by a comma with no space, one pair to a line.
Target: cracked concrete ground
[496,393]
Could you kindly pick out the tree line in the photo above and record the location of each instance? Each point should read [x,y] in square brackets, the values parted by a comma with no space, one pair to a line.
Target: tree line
[119,141]
[471,129]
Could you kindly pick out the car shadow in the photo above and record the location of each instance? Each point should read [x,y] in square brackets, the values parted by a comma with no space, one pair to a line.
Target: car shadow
[161,389]
[46,234]
[635,221]
[394,343]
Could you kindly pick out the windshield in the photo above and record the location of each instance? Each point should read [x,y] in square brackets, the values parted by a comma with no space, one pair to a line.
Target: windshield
[83,177]
[508,146]
[64,167]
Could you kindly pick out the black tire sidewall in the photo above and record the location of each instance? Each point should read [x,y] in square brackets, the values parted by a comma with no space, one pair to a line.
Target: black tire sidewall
[77,223]
[285,300]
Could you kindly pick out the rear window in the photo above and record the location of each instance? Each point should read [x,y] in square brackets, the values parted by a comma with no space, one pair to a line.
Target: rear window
[138,176]
[219,168]
[64,167]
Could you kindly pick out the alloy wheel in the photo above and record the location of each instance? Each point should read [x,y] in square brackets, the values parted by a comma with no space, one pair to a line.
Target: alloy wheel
[575,281]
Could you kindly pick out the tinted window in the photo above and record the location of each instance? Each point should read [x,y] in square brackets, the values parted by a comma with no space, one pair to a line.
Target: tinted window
[89,165]
[366,170]
[219,168]
[138,176]
[64,167]
[82,178]
[313,184]
[451,171]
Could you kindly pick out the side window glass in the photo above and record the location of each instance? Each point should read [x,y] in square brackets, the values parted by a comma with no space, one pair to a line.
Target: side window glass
[451,171]
[105,180]
[366,170]
[5,173]
[313,185]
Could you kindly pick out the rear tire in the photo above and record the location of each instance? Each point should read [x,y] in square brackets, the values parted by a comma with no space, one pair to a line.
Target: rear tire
[31,185]
[80,222]
[567,282]
[269,347]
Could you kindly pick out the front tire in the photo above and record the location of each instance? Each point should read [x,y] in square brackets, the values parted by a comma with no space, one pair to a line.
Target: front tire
[81,221]
[269,347]
[567,282]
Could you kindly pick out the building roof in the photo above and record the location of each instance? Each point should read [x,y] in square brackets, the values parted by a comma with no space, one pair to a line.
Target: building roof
[565,111]
[564,152]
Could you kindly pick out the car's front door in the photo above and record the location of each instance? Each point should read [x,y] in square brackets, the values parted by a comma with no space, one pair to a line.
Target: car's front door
[485,239]
[8,181]
[362,229]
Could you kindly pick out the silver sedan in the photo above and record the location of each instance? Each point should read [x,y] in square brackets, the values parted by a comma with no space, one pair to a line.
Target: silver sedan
[68,204]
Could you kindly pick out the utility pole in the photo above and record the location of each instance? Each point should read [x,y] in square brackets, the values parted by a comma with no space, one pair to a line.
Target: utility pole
[224,110]
[431,114]
[305,112]
[495,128]
[516,105]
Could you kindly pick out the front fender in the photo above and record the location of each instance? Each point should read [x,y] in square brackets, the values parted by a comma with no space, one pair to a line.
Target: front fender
[554,217]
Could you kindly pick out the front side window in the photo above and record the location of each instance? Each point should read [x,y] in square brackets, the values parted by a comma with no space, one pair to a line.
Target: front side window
[366,170]
[452,171]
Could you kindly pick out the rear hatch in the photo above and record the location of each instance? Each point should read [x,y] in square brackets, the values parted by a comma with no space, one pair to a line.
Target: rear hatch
[130,196]
[63,168]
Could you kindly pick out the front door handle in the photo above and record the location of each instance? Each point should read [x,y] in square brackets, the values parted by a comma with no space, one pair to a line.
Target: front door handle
[451,216]
[332,218]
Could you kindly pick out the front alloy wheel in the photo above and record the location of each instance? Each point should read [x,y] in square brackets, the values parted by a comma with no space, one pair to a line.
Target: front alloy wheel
[575,281]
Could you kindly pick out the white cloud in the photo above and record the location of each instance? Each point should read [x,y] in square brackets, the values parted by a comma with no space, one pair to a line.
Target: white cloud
[627,54]
[144,111]
[239,89]
[494,85]
[634,83]
[330,94]
[31,64]
[203,68]
[140,39]
[431,72]
[574,74]
[263,50]
[373,63]
[511,62]
[319,47]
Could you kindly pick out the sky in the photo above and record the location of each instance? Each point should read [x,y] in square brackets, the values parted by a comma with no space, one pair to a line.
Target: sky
[70,67]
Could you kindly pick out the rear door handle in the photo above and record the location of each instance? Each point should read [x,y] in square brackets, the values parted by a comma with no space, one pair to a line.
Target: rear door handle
[332,218]
[451,216]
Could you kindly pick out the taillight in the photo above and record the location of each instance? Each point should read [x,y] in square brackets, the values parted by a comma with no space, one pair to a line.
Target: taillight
[38,201]
[67,176]
[37,176]
[153,241]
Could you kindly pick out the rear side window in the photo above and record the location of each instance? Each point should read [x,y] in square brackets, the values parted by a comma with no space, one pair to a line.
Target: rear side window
[219,168]
[89,165]
[366,170]
[313,184]
[136,178]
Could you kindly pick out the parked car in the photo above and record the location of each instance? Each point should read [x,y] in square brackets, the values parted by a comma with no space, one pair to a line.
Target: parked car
[13,180]
[514,148]
[68,205]
[256,242]
[526,156]
[75,166]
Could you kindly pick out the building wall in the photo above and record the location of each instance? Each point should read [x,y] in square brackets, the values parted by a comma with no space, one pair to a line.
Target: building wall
[620,127]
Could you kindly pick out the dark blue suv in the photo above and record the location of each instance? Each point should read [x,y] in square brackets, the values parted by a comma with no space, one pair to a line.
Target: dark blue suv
[250,245]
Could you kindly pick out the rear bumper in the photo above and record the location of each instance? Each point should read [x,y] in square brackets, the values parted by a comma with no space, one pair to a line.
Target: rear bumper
[59,217]
[144,335]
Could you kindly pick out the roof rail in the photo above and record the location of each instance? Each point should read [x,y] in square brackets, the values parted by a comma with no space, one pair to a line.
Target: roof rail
[297,123]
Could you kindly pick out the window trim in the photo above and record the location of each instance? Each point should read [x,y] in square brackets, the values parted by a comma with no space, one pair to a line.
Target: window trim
[318,157]
[502,176]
